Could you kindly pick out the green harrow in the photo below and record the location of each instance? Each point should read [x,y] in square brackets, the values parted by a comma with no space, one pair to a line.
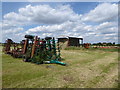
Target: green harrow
[42,51]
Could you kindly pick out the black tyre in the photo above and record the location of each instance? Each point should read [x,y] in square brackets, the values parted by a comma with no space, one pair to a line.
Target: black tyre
[29,36]
[48,38]
[25,60]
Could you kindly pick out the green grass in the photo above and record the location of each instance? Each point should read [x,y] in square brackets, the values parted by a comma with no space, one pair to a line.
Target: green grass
[106,69]
[94,81]
[85,69]
[92,49]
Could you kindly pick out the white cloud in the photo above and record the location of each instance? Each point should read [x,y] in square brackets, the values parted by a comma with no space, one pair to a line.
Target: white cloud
[106,25]
[62,20]
[43,14]
[13,30]
[17,34]
[14,16]
[67,28]
[103,12]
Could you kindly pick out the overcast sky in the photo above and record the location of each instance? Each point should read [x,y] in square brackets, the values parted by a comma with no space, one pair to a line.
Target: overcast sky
[95,22]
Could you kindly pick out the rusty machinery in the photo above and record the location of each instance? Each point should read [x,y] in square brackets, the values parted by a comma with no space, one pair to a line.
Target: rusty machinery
[7,46]
[40,51]
[86,45]
[17,50]
[14,49]
[35,50]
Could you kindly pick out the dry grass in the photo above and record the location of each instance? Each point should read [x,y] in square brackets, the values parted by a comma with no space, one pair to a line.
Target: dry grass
[86,69]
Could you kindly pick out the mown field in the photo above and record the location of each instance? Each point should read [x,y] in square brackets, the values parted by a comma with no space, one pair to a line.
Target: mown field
[86,69]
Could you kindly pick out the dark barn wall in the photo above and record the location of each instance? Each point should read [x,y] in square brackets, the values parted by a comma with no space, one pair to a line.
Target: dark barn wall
[73,41]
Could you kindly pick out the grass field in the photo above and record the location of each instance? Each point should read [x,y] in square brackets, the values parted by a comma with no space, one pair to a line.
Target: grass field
[86,69]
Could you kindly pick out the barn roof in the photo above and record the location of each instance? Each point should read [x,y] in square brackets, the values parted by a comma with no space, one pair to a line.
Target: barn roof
[69,38]
[63,37]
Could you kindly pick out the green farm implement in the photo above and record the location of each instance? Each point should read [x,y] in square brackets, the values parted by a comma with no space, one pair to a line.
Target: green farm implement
[41,51]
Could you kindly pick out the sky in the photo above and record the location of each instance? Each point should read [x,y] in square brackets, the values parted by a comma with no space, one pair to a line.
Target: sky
[93,21]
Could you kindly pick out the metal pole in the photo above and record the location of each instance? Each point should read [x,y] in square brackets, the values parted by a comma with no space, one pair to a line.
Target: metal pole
[33,47]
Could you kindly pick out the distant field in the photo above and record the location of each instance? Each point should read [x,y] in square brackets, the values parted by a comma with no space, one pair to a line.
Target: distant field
[86,69]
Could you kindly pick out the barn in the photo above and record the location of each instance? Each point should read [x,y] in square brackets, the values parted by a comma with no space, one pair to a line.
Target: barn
[70,41]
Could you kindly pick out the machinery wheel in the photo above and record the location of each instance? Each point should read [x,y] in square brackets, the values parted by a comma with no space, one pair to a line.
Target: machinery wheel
[29,36]
[25,60]
[48,38]
[60,59]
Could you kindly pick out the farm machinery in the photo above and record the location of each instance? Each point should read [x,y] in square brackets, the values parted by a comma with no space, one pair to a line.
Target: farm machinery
[37,50]
[14,49]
